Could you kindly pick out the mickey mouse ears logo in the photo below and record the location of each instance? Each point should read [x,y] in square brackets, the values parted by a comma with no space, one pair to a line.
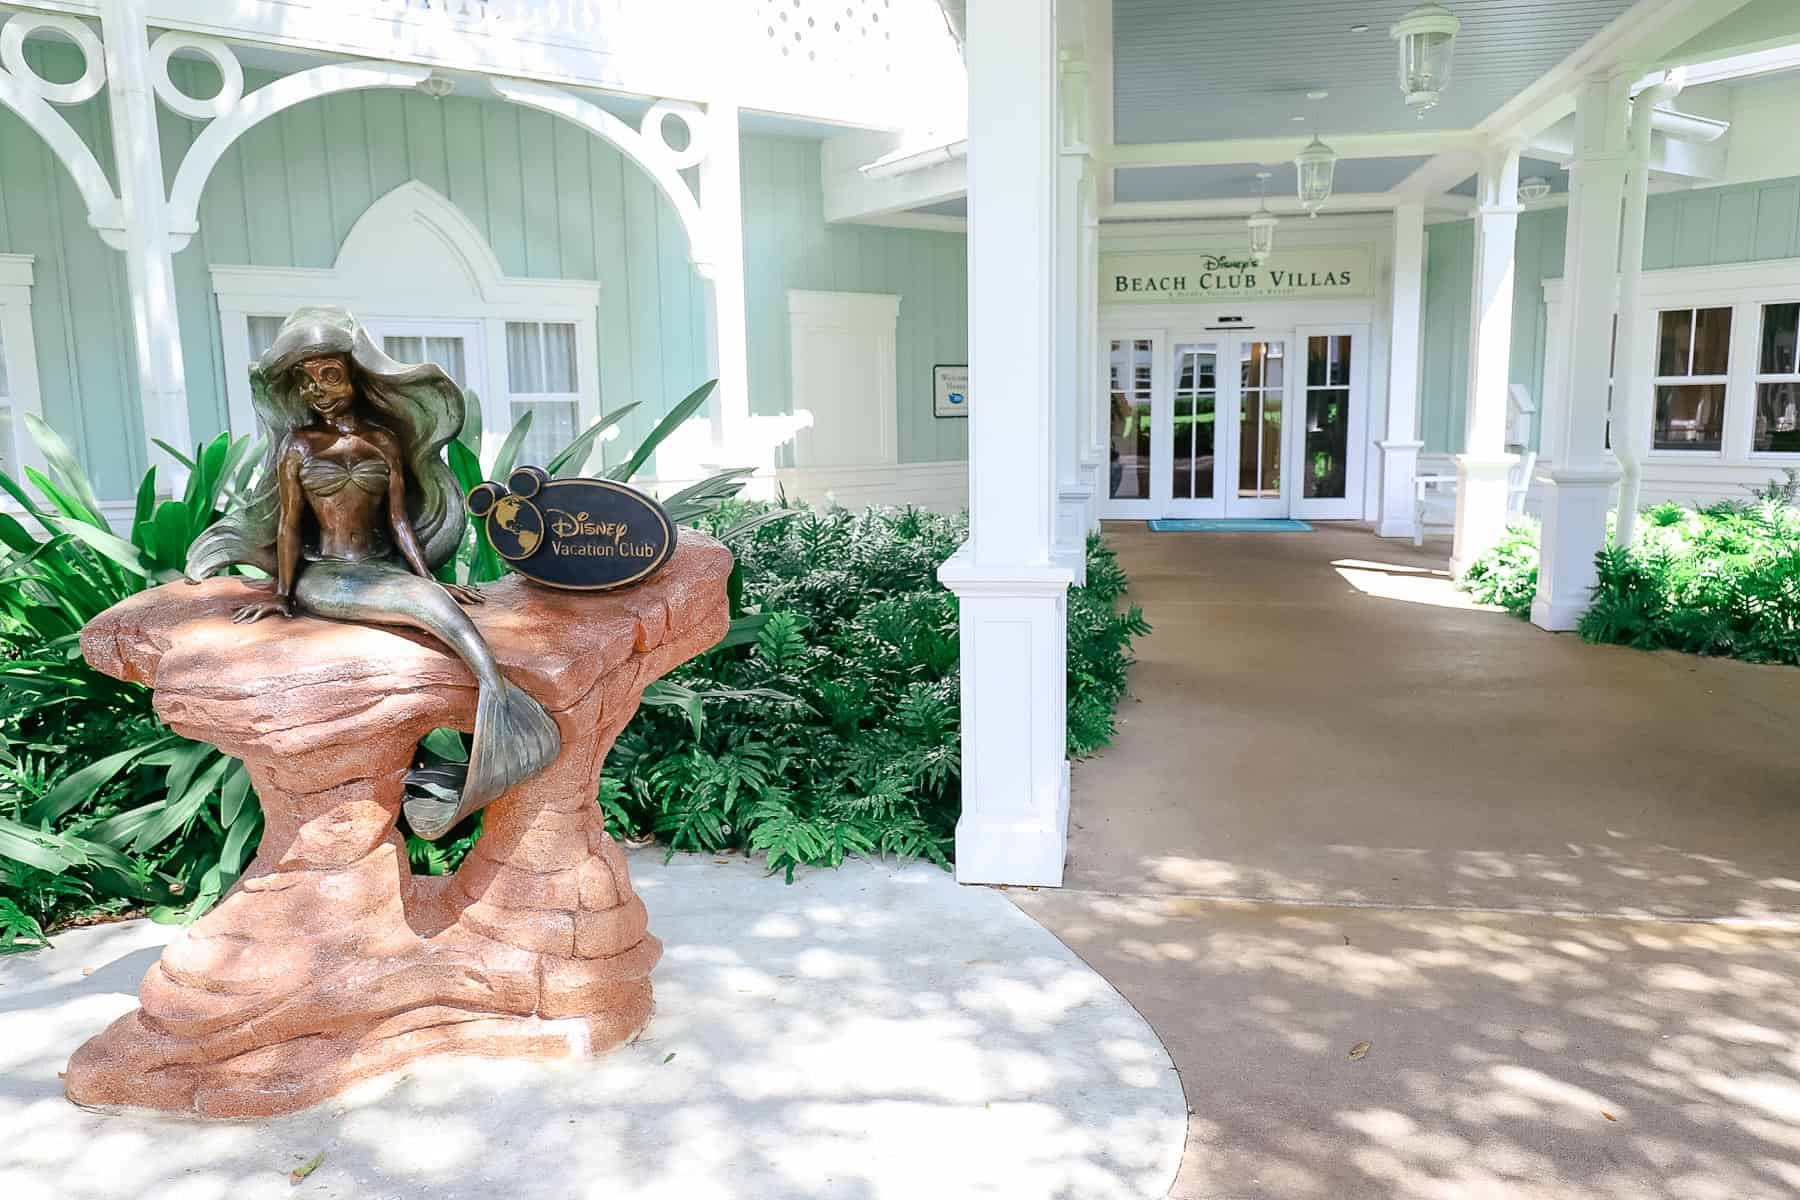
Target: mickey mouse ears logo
[579,534]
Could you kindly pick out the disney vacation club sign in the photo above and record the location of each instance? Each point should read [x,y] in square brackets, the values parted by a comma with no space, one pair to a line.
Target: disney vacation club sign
[579,534]
[1186,276]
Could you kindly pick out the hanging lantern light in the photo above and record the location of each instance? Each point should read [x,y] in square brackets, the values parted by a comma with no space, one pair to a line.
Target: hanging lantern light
[1427,37]
[1315,167]
[1262,224]
[1533,189]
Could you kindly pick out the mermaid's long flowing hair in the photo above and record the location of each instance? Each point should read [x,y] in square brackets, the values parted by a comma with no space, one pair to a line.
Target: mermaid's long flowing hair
[420,405]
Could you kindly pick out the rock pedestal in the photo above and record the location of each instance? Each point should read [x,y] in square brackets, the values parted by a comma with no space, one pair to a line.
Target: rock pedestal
[330,962]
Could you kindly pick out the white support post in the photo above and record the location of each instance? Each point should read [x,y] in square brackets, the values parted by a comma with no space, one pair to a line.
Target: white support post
[1074,498]
[149,268]
[1400,448]
[1092,409]
[1582,480]
[728,346]
[1015,777]
[1631,421]
[1484,467]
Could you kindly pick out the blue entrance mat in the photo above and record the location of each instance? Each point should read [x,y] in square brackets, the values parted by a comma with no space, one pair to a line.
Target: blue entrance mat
[1241,525]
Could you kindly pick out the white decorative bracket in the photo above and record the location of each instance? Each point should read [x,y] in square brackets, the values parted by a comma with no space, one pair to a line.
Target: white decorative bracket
[234,114]
[647,146]
[30,96]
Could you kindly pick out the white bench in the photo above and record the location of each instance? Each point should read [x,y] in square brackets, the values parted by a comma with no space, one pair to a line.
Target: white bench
[1434,496]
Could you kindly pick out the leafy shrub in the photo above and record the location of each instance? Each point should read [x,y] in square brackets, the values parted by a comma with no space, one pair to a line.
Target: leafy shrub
[1099,649]
[1723,580]
[1507,574]
[102,808]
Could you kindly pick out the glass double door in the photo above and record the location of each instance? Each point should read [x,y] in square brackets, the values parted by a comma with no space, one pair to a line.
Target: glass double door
[1238,423]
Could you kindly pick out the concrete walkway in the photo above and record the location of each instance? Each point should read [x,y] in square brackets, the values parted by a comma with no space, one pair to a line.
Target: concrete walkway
[874,1033]
[1555,887]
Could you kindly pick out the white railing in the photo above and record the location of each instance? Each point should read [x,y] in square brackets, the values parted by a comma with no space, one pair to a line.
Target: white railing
[880,62]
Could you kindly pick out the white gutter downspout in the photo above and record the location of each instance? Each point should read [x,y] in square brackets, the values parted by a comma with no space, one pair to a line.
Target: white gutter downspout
[1629,430]
[917,160]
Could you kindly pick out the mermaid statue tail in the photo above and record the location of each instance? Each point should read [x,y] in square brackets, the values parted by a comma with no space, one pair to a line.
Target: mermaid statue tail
[514,737]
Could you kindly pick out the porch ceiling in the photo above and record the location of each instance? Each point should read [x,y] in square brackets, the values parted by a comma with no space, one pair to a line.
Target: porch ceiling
[1238,180]
[1185,71]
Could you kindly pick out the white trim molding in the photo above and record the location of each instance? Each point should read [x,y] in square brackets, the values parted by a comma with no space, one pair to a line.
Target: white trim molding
[866,316]
[20,347]
[412,255]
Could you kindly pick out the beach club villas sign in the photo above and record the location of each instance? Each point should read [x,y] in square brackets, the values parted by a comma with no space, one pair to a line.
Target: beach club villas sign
[1183,276]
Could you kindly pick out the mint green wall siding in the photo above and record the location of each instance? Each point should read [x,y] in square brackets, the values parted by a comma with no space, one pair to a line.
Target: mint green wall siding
[81,310]
[1741,223]
[1705,227]
[552,201]
[788,245]
[1444,365]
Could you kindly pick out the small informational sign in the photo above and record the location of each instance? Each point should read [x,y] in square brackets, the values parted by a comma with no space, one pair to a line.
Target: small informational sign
[586,535]
[950,390]
[1198,276]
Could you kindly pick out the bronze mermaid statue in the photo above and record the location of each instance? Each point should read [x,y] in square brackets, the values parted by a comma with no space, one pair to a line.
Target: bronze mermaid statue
[352,510]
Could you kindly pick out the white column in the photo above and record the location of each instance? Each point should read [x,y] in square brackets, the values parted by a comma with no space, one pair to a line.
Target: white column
[1582,479]
[1631,421]
[149,269]
[721,203]
[1014,766]
[1482,470]
[1400,448]
[1074,498]
[1091,372]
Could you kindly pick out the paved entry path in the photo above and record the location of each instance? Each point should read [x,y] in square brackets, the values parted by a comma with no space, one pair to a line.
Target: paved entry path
[1554,887]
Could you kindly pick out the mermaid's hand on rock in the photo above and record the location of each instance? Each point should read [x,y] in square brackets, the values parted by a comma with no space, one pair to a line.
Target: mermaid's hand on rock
[462,593]
[249,613]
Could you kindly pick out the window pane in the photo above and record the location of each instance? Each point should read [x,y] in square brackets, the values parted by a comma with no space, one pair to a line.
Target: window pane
[1328,361]
[262,332]
[1259,421]
[6,439]
[1673,340]
[1327,443]
[559,357]
[1689,416]
[446,352]
[1195,417]
[552,428]
[1712,341]
[404,349]
[1129,443]
[1777,418]
[525,357]
[1780,322]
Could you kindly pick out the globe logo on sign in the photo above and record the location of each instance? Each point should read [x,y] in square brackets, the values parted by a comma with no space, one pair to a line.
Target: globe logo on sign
[516,528]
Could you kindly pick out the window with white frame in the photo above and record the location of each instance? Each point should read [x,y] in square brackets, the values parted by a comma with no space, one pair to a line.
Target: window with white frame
[1777,429]
[542,379]
[1693,366]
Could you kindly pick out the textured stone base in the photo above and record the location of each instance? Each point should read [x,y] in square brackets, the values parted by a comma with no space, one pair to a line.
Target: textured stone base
[330,962]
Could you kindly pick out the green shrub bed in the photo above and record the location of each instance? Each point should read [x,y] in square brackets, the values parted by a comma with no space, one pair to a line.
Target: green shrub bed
[834,730]
[1722,580]
[825,724]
